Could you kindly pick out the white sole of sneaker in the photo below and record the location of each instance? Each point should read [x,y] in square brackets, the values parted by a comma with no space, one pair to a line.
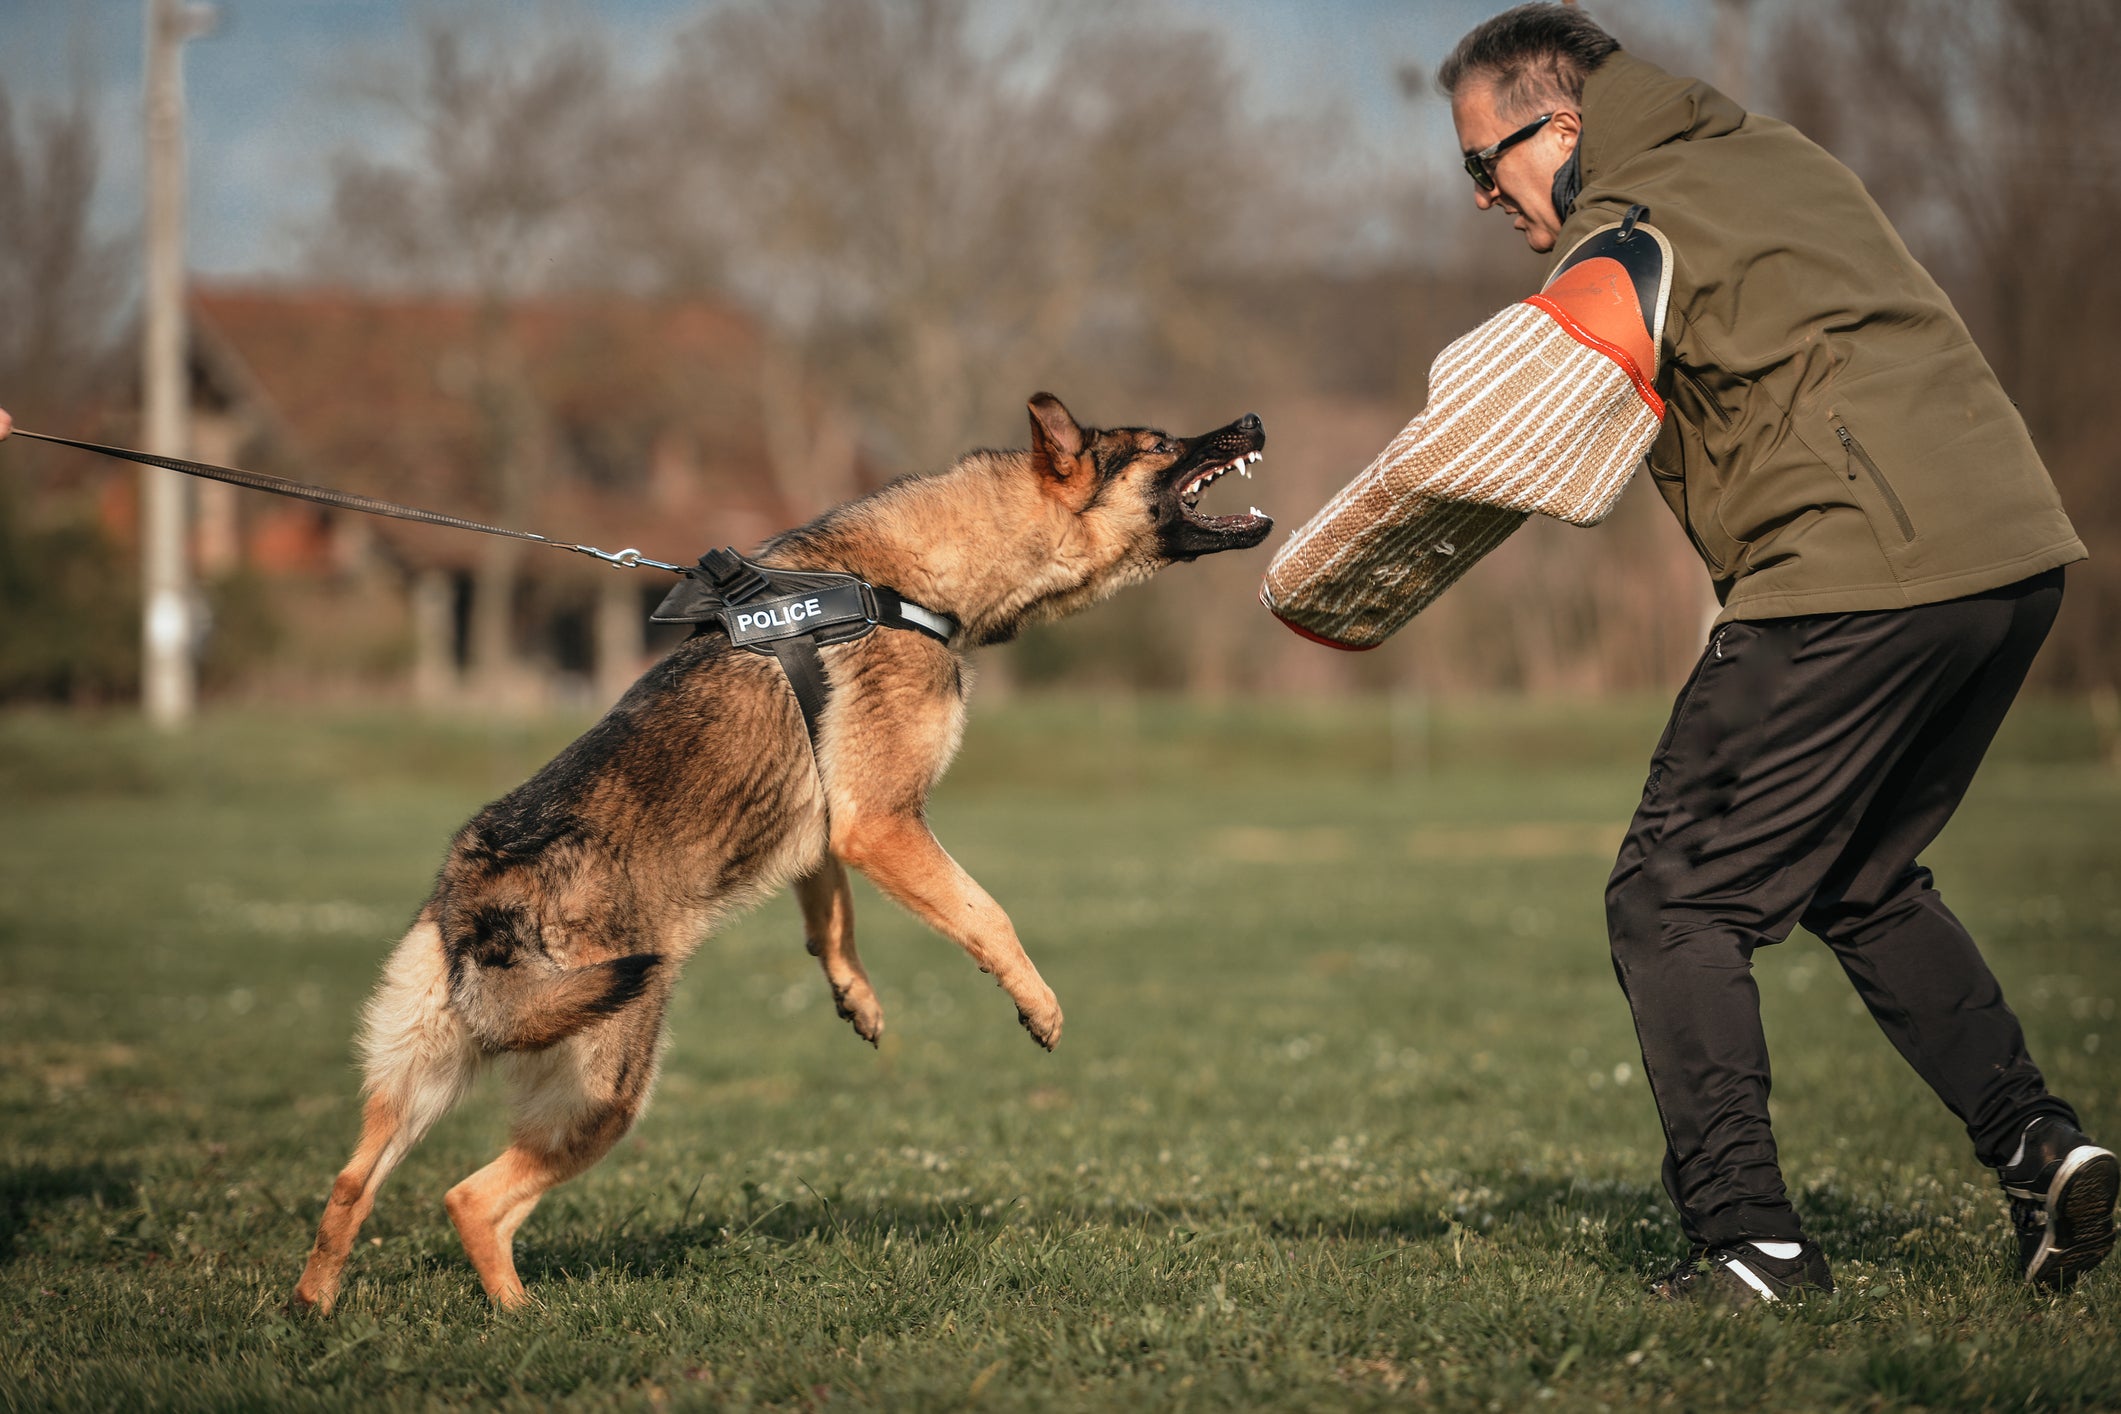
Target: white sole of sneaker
[2080,1217]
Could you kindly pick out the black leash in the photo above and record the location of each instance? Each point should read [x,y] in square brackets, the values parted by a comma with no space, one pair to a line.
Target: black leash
[347,500]
[788,614]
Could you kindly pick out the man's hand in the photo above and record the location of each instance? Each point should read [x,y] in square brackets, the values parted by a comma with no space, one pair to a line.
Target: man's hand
[7,424]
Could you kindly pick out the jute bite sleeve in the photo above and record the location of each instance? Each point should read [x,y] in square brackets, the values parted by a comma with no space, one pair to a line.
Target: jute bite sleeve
[1545,409]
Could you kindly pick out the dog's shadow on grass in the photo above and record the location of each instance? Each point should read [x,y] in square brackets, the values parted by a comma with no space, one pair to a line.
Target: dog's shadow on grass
[714,1236]
[1475,1209]
[27,1189]
[1623,1226]
[1629,1223]
[1473,1202]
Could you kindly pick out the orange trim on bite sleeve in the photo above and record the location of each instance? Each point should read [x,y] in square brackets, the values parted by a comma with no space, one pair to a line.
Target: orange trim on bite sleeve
[1595,301]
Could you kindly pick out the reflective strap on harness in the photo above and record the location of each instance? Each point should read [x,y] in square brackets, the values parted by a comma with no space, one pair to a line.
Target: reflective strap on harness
[904,613]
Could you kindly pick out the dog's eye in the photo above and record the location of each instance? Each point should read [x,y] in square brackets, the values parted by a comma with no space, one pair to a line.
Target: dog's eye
[1166,448]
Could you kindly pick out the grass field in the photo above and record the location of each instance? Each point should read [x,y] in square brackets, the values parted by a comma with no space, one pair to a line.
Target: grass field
[1348,1113]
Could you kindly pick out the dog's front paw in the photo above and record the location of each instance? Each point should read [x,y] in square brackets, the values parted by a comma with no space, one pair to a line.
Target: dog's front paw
[858,1006]
[1042,1019]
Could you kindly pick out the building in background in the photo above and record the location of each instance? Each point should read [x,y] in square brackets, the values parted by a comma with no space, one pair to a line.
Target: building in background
[613,423]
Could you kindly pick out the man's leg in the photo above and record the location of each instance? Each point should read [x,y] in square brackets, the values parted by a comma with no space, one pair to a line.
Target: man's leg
[1785,734]
[1927,984]
[1911,960]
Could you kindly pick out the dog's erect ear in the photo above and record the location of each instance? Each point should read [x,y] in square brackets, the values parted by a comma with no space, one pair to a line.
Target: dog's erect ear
[1057,441]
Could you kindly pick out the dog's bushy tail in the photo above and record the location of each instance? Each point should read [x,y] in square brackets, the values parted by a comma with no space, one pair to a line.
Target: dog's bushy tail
[513,995]
[429,1026]
[426,1032]
[534,1002]
[416,1054]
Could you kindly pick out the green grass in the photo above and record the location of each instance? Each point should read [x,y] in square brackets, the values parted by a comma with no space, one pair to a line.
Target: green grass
[1348,1113]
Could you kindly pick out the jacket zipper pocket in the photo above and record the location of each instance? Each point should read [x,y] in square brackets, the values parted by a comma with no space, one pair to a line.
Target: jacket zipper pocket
[1885,488]
[1701,390]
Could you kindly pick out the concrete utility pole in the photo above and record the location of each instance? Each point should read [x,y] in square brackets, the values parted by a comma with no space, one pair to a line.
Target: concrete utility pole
[167,680]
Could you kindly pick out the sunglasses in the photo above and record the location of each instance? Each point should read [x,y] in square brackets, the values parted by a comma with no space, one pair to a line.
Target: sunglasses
[1478,164]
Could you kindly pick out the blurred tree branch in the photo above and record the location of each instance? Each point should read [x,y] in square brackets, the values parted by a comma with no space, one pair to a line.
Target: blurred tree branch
[61,283]
[512,142]
[940,214]
[499,195]
[66,630]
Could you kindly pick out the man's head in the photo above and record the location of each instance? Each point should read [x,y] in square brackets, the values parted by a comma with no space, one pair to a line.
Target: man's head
[1525,64]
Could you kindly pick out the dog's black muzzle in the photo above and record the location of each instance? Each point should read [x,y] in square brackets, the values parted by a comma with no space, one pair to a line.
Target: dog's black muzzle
[1183,533]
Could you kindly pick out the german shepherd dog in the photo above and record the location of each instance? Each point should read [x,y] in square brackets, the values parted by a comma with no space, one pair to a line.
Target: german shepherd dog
[564,910]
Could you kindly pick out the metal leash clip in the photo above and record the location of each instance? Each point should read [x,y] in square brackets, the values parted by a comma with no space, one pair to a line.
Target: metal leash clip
[628,558]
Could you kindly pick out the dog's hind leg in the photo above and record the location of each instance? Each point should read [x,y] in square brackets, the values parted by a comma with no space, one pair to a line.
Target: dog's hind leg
[418,1063]
[828,930]
[353,1193]
[903,859]
[573,1101]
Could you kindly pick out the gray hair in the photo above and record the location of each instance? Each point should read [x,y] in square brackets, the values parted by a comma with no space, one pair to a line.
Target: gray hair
[1537,57]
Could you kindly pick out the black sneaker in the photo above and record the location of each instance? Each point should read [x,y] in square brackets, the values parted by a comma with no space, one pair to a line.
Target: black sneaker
[2062,1192]
[1742,1274]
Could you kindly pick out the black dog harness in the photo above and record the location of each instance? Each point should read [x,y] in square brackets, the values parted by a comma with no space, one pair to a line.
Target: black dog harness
[790,614]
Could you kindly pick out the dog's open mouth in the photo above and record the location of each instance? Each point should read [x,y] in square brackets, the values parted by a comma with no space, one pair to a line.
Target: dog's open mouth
[1189,496]
[1186,532]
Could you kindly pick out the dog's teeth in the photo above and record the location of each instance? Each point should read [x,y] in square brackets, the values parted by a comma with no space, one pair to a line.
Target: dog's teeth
[1258,512]
[1255,456]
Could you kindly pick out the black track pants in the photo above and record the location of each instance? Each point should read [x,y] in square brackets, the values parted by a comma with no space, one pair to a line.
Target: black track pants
[1807,763]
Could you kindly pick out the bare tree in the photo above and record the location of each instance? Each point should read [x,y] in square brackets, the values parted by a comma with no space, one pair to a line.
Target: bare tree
[496,205]
[65,631]
[942,215]
[61,282]
[512,135]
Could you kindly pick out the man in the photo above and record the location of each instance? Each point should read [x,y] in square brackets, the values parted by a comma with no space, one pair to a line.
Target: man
[1887,547]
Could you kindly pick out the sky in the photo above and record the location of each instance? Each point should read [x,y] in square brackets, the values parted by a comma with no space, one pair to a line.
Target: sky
[270,103]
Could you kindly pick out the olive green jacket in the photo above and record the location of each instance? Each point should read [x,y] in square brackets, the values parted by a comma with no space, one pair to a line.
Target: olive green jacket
[1833,441]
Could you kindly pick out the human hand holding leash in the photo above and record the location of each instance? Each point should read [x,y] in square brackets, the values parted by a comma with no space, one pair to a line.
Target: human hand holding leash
[7,424]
